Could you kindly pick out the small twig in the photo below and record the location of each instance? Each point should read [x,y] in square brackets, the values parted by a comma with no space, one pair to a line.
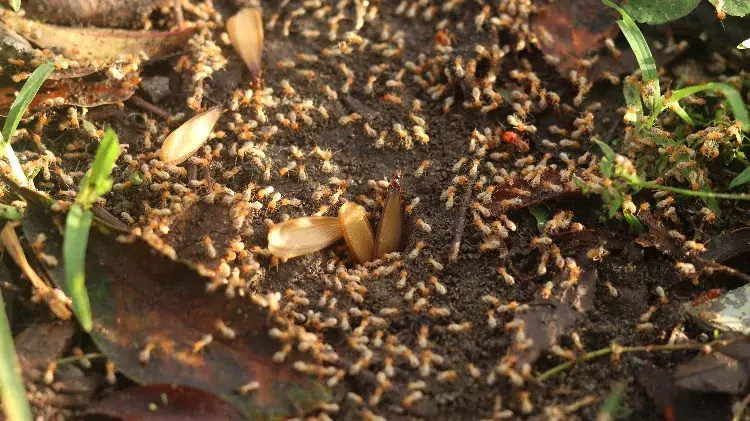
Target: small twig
[142,103]
[741,408]
[714,266]
[625,349]
[461,225]
[77,358]
[178,14]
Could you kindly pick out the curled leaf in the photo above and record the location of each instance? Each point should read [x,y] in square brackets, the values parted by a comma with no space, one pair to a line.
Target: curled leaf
[89,45]
[189,137]
[245,31]
[89,91]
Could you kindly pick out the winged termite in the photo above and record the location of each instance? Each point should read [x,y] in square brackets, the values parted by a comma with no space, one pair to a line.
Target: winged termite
[300,236]
[189,137]
[391,227]
[357,231]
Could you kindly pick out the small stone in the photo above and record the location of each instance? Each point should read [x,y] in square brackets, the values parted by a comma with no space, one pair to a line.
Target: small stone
[155,88]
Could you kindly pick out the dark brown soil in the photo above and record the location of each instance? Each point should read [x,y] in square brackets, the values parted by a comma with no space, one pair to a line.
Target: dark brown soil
[633,270]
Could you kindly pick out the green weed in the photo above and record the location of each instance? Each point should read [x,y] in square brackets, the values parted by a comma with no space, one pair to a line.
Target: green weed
[95,183]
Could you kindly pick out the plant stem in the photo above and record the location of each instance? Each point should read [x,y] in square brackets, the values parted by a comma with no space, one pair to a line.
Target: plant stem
[741,408]
[688,192]
[12,389]
[625,349]
[76,358]
[16,170]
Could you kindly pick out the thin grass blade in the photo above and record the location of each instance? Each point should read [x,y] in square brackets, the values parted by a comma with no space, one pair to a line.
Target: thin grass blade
[733,98]
[76,238]
[12,389]
[742,178]
[642,54]
[106,155]
[633,100]
[27,93]
[677,108]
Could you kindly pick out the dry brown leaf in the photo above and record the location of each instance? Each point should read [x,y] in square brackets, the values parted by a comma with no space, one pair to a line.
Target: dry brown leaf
[572,30]
[725,370]
[105,13]
[189,137]
[245,30]
[92,45]
[518,192]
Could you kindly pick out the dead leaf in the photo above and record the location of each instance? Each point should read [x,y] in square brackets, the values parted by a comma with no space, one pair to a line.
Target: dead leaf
[193,224]
[42,343]
[104,13]
[169,402]
[96,45]
[543,324]
[141,297]
[658,236]
[90,91]
[572,30]
[724,370]
[518,193]
[678,404]
[579,294]
[727,246]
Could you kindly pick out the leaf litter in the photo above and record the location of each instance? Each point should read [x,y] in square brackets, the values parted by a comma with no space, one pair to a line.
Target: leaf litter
[138,301]
[456,344]
[164,402]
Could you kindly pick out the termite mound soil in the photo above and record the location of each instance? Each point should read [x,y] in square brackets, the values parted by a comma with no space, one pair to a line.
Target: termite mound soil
[459,331]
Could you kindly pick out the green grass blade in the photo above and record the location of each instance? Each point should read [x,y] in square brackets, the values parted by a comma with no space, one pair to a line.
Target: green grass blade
[77,227]
[10,212]
[12,389]
[609,408]
[105,158]
[635,224]
[733,98]
[541,214]
[633,100]
[16,170]
[642,54]
[677,108]
[607,164]
[742,178]
[27,93]
[97,180]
